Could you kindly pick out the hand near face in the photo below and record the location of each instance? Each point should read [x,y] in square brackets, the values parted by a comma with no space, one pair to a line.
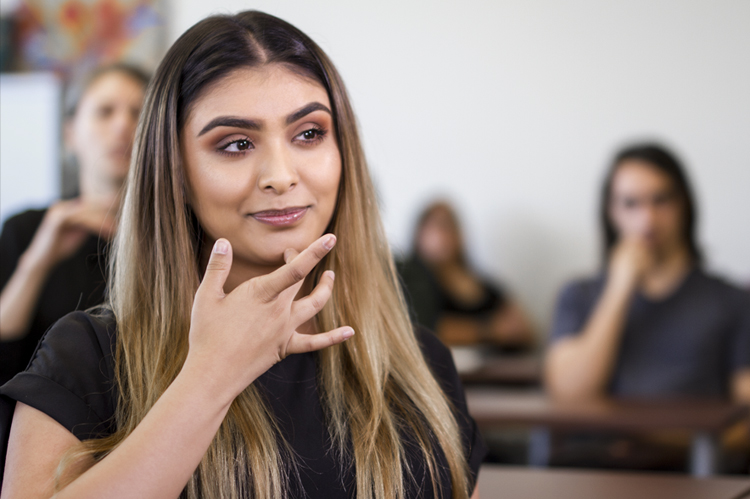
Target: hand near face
[629,261]
[236,337]
[65,227]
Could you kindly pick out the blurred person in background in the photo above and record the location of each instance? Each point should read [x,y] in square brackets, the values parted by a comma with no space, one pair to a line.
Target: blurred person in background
[51,260]
[446,295]
[653,323]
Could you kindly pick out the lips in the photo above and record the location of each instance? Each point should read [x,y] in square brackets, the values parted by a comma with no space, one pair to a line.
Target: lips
[280,218]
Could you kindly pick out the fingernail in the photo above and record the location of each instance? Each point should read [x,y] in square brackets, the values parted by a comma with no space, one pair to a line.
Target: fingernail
[332,274]
[221,247]
[329,242]
[348,333]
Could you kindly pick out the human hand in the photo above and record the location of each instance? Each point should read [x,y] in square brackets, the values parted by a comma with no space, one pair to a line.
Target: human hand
[236,337]
[629,261]
[63,230]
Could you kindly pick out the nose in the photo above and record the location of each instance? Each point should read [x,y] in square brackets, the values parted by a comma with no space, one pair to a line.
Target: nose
[278,173]
[647,217]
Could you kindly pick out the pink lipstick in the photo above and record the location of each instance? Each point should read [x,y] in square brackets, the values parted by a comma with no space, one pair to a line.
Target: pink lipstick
[281,218]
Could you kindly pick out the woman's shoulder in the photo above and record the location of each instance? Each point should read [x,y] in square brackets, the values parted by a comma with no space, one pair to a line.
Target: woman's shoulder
[25,221]
[77,338]
[71,375]
[440,360]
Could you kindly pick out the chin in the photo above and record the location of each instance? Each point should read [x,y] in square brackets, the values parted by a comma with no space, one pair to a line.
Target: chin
[276,243]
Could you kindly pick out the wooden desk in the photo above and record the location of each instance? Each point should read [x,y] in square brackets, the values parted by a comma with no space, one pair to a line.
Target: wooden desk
[518,371]
[483,366]
[703,419]
[526,483]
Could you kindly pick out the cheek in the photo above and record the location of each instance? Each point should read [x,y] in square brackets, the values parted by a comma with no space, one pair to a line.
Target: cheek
[210,194]
[324,179]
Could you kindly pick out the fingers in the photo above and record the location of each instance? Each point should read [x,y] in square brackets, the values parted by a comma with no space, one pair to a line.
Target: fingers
[306,308]
[290,254]
[302,343]
[298,267]
[217,270]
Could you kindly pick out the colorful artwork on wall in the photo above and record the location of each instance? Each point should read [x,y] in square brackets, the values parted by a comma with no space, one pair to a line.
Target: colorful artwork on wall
[74,36]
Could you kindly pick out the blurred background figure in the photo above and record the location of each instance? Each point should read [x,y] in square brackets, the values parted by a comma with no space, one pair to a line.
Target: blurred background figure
[446,295]
[51,260]
[653,324]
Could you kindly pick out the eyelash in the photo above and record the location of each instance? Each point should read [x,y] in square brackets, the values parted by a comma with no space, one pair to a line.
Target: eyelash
[319,131]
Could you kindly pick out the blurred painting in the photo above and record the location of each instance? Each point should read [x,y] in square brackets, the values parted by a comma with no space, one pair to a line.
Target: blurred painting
[72,36]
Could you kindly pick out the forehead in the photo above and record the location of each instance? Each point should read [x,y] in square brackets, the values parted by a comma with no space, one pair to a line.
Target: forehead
[636,177]
[113,84]
[270,92]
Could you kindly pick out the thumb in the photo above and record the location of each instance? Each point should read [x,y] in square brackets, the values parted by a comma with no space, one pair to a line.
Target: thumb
[217,270]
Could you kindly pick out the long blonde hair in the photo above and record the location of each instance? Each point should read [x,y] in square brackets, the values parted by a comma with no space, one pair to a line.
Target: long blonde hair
[373,387]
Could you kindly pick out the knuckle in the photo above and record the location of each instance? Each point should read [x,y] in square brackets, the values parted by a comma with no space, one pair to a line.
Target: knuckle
[216,265]
[262,289]
[297,273]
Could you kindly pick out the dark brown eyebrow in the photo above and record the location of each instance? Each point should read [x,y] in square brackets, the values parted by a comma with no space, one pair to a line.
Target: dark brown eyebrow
[230,121]
[313,106]
[235,122]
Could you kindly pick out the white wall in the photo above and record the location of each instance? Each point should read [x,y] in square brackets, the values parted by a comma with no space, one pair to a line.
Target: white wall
[29,141]
[514,108]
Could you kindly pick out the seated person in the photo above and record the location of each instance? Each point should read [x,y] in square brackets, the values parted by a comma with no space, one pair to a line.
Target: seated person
[654,323]
[50,259]
[447,296]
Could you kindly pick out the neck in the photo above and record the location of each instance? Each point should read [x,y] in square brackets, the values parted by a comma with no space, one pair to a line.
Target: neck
[100,191]
[667,272]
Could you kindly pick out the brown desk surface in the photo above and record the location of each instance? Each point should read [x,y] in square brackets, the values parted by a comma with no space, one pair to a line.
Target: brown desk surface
[511,370]
[528,483]
[493,407]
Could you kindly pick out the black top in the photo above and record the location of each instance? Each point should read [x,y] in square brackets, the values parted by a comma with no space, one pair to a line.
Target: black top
[77,283]
[429,301]
[686,344]
[70,378]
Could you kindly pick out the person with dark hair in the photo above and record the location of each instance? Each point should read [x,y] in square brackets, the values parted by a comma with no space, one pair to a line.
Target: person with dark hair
[446,295]
[653,323]
[225,362]
[51,260]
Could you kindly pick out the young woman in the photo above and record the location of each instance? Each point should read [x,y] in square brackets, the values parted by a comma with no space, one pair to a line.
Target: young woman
[226,364]
[447,295]
[49,259]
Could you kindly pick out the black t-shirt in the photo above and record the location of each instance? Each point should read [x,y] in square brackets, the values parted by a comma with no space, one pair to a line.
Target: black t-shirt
[429,301]
[70,378]
[689,343]
[77,283]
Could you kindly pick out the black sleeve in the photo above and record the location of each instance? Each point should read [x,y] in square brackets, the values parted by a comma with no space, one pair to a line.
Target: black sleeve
[16,236]
[573,308]
[740,340]
[440,360]
[70,376]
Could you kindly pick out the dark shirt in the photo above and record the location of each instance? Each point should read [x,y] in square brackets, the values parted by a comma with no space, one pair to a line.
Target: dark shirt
[77,283]
[429,301]
[687,344]
[70,379]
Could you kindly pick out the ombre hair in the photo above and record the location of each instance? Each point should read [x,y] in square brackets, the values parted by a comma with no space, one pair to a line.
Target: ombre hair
[373,387]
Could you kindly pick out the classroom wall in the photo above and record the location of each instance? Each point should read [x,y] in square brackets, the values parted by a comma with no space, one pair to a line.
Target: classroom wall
[29,141]
[512,109]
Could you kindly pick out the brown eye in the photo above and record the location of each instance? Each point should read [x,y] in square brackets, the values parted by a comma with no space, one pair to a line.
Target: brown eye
[311,135]
[237,146]
[105,111]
